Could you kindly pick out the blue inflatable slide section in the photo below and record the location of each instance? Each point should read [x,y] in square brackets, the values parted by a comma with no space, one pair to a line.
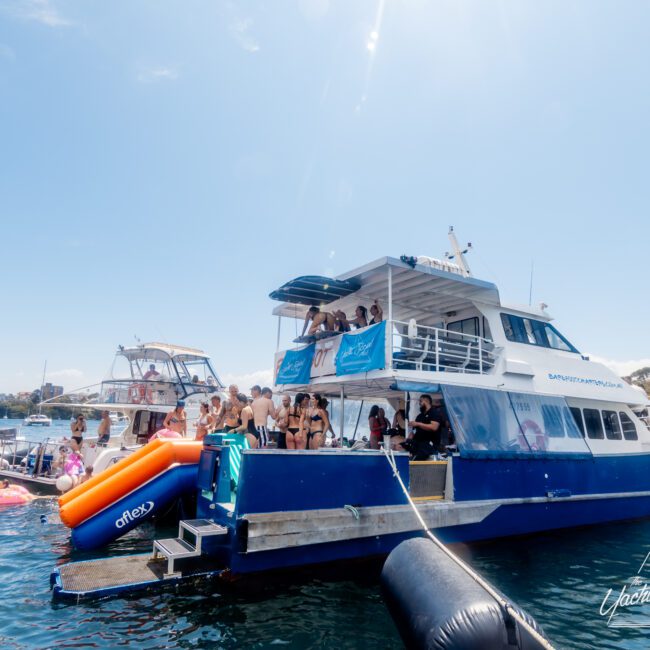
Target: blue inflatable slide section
[131,510]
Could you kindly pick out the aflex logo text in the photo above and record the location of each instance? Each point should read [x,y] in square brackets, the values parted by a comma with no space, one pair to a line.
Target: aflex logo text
[136,513]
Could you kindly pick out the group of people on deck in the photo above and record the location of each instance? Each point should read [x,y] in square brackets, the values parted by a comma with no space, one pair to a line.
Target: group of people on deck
[302,425]
[305,422]
[337,321]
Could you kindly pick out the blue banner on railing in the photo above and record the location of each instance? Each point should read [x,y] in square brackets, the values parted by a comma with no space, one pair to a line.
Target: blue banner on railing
[362,351]
[296,366]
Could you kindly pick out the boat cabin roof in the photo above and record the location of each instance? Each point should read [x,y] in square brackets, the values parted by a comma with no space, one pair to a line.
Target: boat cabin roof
[161,352]
[418,291]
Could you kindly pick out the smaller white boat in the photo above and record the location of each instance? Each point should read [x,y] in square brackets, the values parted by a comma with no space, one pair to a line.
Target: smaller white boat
[118,418]
[37,419]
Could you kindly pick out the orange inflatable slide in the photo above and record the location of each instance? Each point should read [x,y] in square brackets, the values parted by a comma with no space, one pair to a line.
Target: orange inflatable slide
[134,487]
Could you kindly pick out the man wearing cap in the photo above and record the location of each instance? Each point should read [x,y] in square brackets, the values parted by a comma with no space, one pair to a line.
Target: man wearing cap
[263,408]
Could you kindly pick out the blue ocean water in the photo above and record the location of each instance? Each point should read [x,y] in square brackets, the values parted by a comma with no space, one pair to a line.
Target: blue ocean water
[561,578]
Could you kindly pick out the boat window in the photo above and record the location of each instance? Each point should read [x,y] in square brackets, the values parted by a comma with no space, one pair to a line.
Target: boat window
[593,423]
[497,423]
[629,428]
[487,334]
[553,421]
[612,425]
[534,332]
[577,417]
[546,423]
[465,326]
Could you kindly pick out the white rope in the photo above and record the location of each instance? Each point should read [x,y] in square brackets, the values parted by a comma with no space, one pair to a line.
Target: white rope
[390,457]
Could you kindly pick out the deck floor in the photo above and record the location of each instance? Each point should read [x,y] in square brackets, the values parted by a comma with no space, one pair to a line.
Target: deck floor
[82,577]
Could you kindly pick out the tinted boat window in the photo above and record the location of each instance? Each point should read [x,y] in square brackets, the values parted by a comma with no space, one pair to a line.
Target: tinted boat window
[593,423]
[466,326]
[553,425]
[577,416]
[629,428]
[612,426]
[534,332]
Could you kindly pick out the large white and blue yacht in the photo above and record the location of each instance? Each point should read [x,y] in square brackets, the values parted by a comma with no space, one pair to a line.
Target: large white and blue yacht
[545,437]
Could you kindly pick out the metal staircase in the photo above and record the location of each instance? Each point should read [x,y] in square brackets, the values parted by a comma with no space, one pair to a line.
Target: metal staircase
[179,547]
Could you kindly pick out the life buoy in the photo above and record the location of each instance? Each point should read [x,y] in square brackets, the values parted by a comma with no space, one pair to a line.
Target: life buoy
[139,394]
[540,439]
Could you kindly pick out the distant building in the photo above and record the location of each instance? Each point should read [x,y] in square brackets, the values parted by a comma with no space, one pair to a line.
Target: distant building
[23,396]
[48,391]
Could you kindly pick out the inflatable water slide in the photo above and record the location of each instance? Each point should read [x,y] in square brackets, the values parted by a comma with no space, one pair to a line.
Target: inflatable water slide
[133,490]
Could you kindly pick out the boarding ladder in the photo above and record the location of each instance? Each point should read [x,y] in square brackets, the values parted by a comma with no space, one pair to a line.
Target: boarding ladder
[179,547]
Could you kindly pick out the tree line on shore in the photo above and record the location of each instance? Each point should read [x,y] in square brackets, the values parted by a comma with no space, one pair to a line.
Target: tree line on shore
[17,409]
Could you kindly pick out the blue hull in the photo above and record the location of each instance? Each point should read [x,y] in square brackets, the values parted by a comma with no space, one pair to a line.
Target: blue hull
[145,502]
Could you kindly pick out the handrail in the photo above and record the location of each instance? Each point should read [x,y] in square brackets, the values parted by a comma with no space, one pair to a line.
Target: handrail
[436,349]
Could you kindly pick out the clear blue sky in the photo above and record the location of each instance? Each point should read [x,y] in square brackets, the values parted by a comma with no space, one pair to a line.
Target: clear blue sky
[164,165]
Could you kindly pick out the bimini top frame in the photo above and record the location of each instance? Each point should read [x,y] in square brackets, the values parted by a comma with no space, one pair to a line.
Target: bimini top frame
[405,291]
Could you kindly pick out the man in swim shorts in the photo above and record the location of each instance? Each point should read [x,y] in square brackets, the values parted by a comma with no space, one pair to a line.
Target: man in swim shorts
[263,408]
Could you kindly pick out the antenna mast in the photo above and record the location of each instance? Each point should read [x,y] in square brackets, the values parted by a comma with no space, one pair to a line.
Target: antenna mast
[458,254]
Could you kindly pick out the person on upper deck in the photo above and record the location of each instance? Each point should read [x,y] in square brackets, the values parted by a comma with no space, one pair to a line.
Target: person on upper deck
[360,318]
[151,373]
[425,440]
[377,313]
[318,319]
[341,322]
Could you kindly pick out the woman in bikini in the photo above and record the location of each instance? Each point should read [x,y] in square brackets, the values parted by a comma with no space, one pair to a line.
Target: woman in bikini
[359,321]
[176,420]
[246,424]
[205,421]
[318,421]
[296,438]
[377,313]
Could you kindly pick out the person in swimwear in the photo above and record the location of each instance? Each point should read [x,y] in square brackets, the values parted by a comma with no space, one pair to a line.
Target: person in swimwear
[104,429]
[377,313]
[218,412]
[318,421]
[176,420]
[205,422]
[74,467]
[246,424]
[78,427]
[232,408]
[318,318]
[359,321]
[282,422]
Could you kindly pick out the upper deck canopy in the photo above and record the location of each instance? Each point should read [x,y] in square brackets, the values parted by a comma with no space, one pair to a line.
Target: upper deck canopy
[423,292]
[161,352]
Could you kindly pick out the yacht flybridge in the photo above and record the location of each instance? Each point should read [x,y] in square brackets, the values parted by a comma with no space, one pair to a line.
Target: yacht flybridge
[144,384]
[545,437]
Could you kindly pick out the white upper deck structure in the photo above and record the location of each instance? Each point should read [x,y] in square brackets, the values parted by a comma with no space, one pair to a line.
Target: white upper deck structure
[445,326]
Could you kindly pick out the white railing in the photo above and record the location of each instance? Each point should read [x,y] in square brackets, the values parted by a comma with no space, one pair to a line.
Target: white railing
[419,347]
